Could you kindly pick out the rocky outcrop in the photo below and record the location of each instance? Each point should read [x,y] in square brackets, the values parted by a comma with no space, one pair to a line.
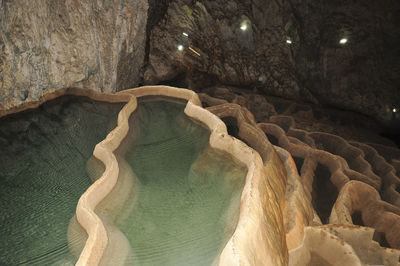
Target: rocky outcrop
[234,42]
[244,43]
[46,46]
[289,49]
[337,184]
[341,245]
[360,74]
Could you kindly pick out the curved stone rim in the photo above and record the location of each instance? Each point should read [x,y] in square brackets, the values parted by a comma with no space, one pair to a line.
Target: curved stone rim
[234,251]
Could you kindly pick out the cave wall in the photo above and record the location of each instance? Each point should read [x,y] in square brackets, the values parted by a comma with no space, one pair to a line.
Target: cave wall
[113,45]
[257,56]
[49,45]
[361,75]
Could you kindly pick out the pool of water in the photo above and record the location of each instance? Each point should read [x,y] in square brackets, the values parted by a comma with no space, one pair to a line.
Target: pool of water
[43,153]
[187,194]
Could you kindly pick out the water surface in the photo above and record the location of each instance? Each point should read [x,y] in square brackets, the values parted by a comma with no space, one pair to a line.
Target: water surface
[43,153]
[187,193]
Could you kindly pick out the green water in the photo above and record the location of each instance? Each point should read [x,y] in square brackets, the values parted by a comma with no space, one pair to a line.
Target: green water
[43,154]
[187,194]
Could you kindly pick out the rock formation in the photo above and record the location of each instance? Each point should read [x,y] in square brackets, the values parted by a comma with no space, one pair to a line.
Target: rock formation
[258,237]
[340,192]
[289,48]
[310,197]
[45,46]
[282,75]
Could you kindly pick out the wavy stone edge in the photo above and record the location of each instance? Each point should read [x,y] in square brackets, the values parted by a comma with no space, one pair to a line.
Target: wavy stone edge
[305,235]
[85,211]
[244,247]
[273,183]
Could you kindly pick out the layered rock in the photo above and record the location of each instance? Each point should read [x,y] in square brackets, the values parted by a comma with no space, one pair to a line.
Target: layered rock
[244,43]
[360,74]
[310,197]
[344,190]
[46,46]
[289,49]
[232,42]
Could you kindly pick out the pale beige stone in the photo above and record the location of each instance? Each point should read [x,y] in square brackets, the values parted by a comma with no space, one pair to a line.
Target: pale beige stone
[253,241]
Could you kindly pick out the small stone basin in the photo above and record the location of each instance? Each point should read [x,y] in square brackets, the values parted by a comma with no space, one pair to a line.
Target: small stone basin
[164,185]
[186,194]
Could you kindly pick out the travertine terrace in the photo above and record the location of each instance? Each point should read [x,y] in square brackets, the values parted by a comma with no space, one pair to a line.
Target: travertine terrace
[309,196]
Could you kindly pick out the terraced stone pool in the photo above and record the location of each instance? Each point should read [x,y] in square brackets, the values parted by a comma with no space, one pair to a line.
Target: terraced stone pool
[187,193]
[184,201]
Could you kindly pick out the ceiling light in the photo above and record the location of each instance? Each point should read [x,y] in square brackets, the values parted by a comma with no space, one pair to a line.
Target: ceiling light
[243,25]
[289,41]
[343,41]
[180,47]
[194,51]
[185,34]
[394,110]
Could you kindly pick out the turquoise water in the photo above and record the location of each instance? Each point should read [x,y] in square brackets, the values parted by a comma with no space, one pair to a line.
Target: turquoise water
[42,175]
[187,193]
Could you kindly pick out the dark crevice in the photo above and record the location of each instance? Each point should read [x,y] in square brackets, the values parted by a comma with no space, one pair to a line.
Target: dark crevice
[273,140]
[299,163]
[156,12]
[233,130]
[393,135]
[324,193]
[381,239]
[179,81]
[232,126]
[356,217]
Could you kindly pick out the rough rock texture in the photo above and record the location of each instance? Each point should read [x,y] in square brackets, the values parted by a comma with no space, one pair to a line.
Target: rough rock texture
[361,75]
[258,55]
[313,197]
[48,45]
[343,198]
[114,45]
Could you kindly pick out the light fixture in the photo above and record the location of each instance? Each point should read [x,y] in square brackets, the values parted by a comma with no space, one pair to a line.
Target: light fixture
[289,41]
[394,110]
[194,51]
[343,41]
[180,47]
[243,26]
[185,34]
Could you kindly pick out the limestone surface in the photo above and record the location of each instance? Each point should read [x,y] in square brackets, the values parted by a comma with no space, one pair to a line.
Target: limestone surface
[50,45]
[341,201]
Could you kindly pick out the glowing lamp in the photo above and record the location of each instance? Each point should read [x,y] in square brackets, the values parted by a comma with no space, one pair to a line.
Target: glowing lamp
[243,26]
